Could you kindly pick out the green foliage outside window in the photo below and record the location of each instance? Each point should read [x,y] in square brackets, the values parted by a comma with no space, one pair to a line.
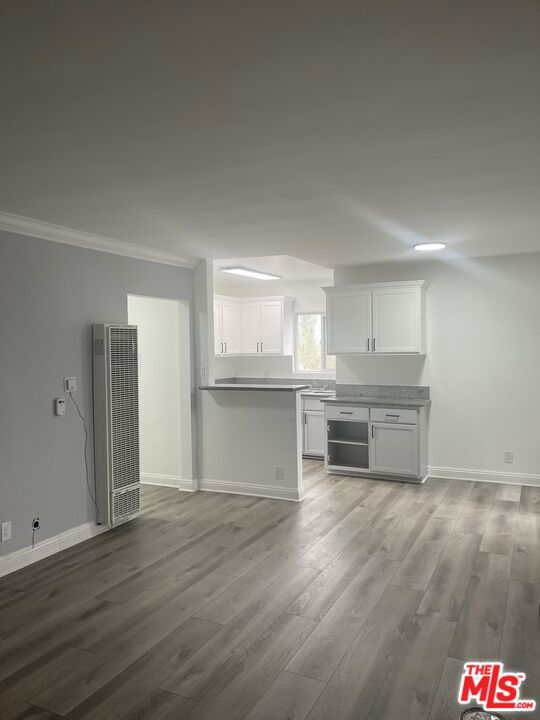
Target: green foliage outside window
[310,344]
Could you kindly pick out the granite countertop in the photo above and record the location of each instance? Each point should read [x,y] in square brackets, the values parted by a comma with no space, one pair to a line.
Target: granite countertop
[252,386]
[322,394]
[377,401]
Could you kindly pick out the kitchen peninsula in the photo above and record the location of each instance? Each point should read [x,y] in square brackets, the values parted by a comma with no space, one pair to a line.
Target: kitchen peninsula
[252,439]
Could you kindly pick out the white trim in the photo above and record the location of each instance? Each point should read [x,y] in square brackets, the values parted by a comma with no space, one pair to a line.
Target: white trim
[28,555]
[494,476]
[68,236]
[268,491]
[171,481]
[345,289]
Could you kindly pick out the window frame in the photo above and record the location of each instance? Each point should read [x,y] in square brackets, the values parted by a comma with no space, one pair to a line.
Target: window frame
[324,372]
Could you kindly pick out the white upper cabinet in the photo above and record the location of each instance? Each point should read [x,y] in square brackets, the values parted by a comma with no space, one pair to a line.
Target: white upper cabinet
[230,324]
[349,322]
[385,319]
[226,326]
[250,324]
[253,326]
[397,320]
[219,348]
[271,329]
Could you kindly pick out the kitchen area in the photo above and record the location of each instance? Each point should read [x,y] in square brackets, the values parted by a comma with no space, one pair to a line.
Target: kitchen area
[285,345]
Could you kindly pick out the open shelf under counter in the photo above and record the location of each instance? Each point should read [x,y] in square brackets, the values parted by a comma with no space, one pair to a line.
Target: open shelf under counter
[348,455]
[350,431]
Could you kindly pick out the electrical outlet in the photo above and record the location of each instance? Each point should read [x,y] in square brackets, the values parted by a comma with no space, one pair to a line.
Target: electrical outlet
[35,524]
[70,384]
[6,531]
[279,473]
[60,406]
[202,373]
[508,456]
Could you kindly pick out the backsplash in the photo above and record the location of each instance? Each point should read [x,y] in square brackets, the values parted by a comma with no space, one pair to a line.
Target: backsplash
[416,392]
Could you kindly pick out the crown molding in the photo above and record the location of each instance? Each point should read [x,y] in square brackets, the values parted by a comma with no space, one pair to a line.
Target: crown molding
[57,233]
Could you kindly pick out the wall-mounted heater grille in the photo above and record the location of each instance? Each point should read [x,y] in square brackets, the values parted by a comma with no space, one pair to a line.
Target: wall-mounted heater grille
[116,422]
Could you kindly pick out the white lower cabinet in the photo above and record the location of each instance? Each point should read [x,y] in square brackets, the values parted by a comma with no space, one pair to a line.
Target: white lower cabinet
[394,449]
[382,442]
[314,433]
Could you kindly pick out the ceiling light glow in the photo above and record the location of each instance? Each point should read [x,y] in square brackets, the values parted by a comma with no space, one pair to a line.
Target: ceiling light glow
[429,246]
[246,272]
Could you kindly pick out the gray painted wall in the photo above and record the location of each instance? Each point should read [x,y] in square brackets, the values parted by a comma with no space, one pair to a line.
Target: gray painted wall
[50,294]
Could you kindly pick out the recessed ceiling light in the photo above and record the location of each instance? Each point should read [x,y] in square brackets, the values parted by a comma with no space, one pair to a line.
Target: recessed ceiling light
[246,272]
[429,247]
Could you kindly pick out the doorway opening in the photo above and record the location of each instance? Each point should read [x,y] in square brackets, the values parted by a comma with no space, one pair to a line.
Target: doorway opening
[164,391]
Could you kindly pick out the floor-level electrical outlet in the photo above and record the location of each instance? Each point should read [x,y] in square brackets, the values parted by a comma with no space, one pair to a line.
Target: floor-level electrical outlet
[279,473]
[508,456]
[6,531]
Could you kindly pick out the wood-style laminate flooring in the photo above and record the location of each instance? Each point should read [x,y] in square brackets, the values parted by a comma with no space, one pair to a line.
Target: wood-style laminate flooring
[361,602]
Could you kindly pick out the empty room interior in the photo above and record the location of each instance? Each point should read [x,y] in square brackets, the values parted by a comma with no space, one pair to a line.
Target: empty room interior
[269,360]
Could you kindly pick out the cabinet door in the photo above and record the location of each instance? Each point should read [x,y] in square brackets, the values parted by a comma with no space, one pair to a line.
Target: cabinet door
[230,327]
[349,322]
[394,449]
[249,327]
[271,333]
[314,433]
[218,344]
[396,320]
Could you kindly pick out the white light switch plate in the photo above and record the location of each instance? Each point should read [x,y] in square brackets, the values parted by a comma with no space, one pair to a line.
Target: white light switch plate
[6,531]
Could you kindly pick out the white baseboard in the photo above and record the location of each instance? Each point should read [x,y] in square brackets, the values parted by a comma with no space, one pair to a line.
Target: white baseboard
[28,555]
[493,476]
[268,491]
[172,481]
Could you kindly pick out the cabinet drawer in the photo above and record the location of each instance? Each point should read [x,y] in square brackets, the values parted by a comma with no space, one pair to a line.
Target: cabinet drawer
[347,412]
[394,415]
[312,403]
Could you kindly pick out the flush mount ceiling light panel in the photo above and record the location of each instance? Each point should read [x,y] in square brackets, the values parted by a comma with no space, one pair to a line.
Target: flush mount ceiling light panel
[246,272]
[430,246]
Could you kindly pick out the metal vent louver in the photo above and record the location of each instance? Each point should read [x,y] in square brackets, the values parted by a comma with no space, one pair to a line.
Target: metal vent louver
[116,422]
[126,502]
[124,406]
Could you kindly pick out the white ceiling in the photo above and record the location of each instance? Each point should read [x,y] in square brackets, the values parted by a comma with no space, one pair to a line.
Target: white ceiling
[288,268]
[334,131]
